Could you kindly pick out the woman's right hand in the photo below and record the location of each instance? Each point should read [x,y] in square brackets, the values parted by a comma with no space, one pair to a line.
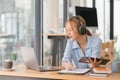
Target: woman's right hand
[67,66]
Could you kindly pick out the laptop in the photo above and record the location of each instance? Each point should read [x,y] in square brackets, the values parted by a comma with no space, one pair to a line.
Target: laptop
[30,60]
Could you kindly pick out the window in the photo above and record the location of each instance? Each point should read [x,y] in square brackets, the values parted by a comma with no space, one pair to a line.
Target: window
[103,10]
[52,24]
[116,29]
[17,26]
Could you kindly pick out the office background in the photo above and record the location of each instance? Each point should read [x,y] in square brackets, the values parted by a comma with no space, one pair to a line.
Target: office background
[23,23]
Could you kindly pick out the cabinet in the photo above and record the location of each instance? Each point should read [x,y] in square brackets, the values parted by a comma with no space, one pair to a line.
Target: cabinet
[59,43]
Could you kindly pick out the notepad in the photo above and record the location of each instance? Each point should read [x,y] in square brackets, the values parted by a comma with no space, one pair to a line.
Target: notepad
[101,71]
[92,73]
[75,71]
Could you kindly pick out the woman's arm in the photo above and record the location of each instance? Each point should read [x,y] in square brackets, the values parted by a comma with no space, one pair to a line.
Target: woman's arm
[96,50]
[67,58]
[67,65]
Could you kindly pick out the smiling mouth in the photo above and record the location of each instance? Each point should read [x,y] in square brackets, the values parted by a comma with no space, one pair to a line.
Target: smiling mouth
[70,36]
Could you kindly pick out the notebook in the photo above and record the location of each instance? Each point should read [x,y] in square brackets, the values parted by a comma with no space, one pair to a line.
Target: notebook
[101,71]
[92,73]
[74,71]
[30,60]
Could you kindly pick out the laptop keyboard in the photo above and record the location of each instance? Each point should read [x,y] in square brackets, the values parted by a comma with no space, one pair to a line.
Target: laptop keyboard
[48,68]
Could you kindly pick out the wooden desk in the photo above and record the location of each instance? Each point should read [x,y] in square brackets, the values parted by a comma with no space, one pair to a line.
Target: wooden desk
[54,35]
[54,75]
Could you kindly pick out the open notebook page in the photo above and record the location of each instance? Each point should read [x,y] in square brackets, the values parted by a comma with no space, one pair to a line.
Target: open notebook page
[75,71]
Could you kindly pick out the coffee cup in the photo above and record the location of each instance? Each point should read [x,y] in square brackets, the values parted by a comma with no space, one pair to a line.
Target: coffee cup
[8,64]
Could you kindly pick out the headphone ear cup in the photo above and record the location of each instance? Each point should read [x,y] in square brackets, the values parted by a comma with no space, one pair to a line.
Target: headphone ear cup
[82,30]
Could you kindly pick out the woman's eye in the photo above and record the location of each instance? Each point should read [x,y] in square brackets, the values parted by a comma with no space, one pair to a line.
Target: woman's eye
[69,30]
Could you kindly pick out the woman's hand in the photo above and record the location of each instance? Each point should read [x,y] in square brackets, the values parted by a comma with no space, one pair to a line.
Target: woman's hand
[67,66]
[94,63]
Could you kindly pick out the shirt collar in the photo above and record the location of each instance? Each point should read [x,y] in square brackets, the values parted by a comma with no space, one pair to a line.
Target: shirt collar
[89,41]
[75,43]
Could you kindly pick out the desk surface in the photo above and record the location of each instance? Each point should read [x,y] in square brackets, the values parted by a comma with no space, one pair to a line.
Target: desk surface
[55,75]
[7,36]
[55,36]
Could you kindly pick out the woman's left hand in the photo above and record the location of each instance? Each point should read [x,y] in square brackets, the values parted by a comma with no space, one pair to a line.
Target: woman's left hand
[94,62]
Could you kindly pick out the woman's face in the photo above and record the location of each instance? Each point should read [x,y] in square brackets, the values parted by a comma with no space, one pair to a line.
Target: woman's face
[71,31]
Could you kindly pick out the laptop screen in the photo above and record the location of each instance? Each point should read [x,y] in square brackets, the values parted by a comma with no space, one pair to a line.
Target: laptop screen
[29,57]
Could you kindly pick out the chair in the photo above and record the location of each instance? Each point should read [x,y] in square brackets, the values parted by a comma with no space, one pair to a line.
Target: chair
[108,53]
[108,50]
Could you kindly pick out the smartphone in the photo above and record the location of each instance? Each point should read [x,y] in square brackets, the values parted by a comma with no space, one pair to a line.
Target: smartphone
[104,61]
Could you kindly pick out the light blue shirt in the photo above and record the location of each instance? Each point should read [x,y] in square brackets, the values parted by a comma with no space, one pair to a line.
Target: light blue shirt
[73,53]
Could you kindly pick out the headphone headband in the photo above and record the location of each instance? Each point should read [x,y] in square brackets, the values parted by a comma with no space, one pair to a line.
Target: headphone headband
[81,28]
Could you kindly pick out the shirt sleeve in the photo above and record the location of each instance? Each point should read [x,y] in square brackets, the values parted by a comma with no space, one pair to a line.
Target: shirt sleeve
[96,50]
[68,51]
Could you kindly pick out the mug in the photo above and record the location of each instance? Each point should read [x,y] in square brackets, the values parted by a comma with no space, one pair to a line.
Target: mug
[8,64]
[116,66]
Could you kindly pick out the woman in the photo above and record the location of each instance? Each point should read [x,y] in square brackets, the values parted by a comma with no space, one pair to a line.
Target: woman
[80,43]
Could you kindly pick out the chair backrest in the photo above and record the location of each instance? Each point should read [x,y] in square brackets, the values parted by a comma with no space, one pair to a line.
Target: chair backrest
[108,50]
[108,53]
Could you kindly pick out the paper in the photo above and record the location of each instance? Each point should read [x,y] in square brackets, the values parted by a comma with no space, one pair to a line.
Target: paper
[101,70]
[98,74]
[75,71]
